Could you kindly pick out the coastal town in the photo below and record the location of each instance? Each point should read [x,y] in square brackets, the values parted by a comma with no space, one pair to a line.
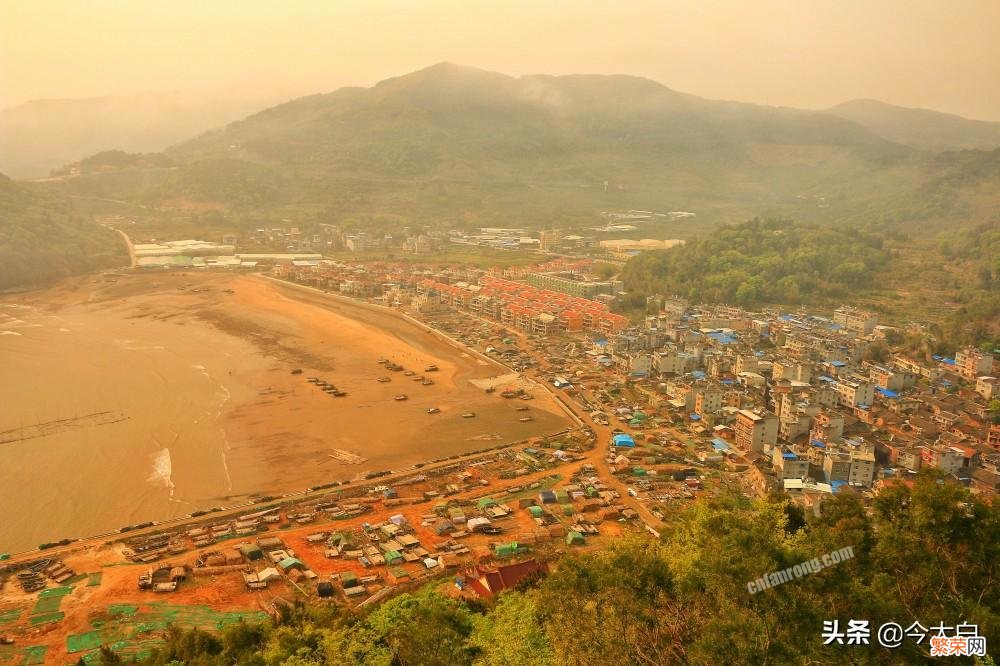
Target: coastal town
[682,402]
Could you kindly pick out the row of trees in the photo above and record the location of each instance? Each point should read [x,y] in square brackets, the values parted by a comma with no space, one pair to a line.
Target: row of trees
[761,261]
[926,554]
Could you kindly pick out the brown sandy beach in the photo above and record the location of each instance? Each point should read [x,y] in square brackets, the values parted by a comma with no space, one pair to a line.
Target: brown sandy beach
[155,395]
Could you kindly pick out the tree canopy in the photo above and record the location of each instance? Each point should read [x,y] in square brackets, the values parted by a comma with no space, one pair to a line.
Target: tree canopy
[761,261]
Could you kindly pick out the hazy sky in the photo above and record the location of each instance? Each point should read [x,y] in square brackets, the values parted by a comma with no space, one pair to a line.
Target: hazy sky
[808,53]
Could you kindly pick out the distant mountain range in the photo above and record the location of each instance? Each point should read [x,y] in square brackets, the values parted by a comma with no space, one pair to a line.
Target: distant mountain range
[41,135]
[458,145]
[920,128]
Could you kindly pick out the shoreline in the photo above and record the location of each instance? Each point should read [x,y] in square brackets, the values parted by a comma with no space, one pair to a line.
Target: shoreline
[242,413]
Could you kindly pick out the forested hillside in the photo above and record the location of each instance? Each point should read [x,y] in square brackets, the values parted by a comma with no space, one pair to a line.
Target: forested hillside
[977,321]
[925,555]
[42,239]
[759,262]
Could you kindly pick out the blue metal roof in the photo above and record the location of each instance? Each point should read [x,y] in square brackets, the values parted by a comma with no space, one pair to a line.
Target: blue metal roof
[788,455]
[818,444]
[886,392]
[695,417]
[719,444]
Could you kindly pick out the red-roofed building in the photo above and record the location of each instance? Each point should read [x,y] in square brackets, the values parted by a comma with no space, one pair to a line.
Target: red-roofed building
[487,582]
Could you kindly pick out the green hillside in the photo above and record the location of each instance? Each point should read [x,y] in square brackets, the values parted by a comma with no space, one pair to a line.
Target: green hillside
[769,261]
[42,239]
[455,145]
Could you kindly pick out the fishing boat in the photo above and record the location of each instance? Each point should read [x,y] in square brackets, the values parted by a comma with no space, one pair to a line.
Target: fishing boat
[401,396]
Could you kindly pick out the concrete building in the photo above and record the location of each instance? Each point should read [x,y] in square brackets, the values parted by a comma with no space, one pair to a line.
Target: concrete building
[853,393]
[573,284]
[972,362]
[862,468]
[548,241]
[988,387]
[707,400]
[755,431]
[854,320]
[827,427]
[792,371]
[945,458]
[790,464]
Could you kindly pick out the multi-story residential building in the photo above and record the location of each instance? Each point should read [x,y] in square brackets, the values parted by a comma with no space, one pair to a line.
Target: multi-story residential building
[945,458]
[573,284]
[855,392]
[673,361]
[794,371]
[837,466]
[548,241]
[707,400]
[789,463]
[888,378]
[746,363]
[988,387]
[827,427]
[972,362]
[855,321]
[862,468]
[755,431]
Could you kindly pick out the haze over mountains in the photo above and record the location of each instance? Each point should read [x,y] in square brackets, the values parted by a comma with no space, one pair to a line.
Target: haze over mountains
[920,128]
[40,135]
[452,145]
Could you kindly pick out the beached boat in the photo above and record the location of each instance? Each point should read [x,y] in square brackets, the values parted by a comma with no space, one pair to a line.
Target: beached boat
[433,410]
[401,396]
[384,380]
[469,415]
[524,419]
[427,382]
[431,368]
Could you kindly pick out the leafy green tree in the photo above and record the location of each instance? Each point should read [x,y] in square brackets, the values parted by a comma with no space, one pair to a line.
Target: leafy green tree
[512,633]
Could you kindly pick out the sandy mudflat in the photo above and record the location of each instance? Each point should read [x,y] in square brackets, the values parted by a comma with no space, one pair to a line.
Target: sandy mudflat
[159,394]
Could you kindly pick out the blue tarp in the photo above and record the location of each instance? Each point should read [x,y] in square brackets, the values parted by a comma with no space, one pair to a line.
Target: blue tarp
[824,378]
[722,338]
[837,484]
[948,361]
[695,417]
[623,440]
[720,445]
[886,392]
[727,382]
[818,444]
[788,455]
[837,364]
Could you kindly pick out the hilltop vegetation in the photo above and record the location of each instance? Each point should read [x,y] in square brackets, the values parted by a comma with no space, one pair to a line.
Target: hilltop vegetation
[43,239]
[927,555]
[759,262]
